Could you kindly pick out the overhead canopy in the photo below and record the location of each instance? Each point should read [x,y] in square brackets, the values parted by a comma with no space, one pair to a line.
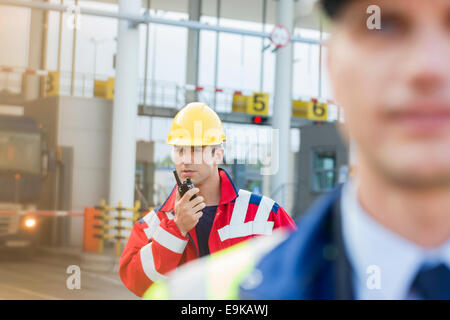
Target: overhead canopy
[307,15]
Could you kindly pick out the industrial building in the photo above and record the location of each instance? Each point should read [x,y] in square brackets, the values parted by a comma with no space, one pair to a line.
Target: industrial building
[88,90]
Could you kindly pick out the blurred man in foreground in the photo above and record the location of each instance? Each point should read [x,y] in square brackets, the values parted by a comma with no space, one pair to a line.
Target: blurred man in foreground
[386,233]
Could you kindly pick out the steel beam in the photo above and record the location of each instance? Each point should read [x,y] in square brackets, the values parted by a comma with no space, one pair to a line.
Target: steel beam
[230,117]
[143,19]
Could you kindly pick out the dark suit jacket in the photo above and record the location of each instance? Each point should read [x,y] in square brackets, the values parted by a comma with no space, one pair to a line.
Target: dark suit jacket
[311,263]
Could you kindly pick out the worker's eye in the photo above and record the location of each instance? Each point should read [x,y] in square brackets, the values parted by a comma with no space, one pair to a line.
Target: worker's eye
[179,151]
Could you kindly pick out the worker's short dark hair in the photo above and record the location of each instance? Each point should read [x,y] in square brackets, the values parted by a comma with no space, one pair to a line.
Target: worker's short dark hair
[333,7]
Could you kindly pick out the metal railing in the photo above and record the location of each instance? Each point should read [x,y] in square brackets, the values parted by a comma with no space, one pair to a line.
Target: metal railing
[158,93]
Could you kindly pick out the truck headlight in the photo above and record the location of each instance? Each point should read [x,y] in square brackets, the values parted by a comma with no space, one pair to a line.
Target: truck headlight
[30,223]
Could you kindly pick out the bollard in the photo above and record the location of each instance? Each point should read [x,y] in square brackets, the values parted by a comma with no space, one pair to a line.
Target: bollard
[137,207]
[102,226]
[90,239]
[119,227]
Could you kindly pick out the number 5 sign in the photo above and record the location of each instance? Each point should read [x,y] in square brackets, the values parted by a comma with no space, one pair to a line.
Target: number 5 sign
[259,105]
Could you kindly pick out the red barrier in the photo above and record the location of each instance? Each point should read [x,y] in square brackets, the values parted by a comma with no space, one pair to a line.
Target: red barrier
[90,243]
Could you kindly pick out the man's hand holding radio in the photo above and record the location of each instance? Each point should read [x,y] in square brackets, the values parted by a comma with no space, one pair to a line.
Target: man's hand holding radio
[188,212]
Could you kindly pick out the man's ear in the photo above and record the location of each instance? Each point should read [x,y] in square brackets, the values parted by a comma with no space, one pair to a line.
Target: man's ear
[218,155]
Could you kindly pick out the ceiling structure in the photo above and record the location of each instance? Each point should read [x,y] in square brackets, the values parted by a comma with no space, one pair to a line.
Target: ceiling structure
[307,15]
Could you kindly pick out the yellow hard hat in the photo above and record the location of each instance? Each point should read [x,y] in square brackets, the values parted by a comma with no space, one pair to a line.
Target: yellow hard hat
[196,125]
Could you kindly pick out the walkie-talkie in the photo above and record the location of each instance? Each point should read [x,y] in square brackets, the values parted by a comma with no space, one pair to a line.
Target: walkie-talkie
[184,186]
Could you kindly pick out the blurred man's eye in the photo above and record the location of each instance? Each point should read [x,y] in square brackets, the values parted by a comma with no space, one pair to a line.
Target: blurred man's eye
[447,21]
[391,25]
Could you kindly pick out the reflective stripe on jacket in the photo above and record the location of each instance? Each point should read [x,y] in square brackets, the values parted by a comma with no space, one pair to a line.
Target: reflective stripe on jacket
[218,276]
[156,245]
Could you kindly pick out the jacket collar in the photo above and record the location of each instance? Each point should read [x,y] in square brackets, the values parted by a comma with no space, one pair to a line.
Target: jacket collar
[228,192]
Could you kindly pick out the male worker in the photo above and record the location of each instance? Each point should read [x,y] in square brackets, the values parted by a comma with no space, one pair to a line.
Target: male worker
[185,228]
[386,233]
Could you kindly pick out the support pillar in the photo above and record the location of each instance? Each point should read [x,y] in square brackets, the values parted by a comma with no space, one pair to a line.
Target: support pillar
[37,51]
[283,105]
[123,143]
[195,7]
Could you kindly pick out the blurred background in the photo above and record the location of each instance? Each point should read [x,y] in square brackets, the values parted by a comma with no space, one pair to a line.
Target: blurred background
[88,90]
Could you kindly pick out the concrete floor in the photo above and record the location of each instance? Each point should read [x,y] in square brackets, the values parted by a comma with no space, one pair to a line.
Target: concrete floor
[42,276]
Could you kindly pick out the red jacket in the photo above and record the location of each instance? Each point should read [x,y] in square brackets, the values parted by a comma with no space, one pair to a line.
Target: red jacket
[156,245]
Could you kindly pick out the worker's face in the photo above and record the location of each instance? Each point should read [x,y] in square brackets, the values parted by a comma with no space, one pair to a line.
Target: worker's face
[394,85]
[197,163]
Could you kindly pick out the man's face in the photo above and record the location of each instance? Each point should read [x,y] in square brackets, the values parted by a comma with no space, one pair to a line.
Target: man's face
[394,85]
[197,163]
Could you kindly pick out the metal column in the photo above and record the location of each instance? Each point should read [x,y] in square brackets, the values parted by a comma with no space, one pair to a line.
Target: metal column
[282,104]
[37,51]
[123,143]
[195,7]
[74,52]
[263,44]
[216,61]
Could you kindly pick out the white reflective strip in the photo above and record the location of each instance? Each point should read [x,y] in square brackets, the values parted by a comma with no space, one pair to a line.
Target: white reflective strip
[148,217]
[240,207]
[260,225]
[153,222]
[148,264]
[169,241]
[170,215]
[246,229]
[262,214]
[224,233]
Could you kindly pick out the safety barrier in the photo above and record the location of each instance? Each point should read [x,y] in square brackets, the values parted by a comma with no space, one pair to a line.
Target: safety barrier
[50,213]
[103,214]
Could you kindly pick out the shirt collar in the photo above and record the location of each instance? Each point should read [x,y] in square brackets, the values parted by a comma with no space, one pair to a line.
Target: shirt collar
[369,243]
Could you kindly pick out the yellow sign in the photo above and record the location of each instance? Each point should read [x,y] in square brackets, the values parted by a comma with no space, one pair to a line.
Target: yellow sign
[259,104]
[110,88]
[240,102]
[100,88]
[300,108]
[50,84]
[104,89]
[310,110]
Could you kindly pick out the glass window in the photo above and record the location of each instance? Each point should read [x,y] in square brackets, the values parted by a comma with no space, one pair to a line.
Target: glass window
[20,152]
[324,170]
